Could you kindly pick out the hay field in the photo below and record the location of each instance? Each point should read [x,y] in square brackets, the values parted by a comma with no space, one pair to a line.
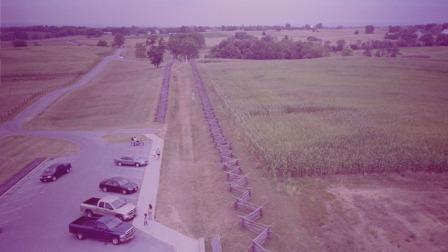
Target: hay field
[27,73]
[123,95]
[17,151]
[340,115]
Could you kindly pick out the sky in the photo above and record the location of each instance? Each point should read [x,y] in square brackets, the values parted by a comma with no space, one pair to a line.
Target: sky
[164,13]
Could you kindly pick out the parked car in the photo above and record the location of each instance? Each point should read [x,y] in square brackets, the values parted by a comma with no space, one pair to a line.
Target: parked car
[106,228]
[109,205]
[131,161]
[118,184]
[54,171]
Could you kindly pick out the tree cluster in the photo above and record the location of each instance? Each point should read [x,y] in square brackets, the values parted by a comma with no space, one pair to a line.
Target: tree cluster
[156,49]
[418,35]
[245,46]
[185,45]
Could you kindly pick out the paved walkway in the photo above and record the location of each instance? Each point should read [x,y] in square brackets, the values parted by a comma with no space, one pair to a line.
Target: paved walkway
[148,194]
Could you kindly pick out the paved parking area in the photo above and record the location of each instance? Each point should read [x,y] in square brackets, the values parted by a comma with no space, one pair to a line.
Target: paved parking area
[34,216]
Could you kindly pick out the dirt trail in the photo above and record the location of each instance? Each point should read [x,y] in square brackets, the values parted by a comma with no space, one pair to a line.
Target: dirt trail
[192,196]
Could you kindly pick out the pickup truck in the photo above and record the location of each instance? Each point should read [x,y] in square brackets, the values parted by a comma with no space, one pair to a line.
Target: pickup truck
[107,228]
[109,205]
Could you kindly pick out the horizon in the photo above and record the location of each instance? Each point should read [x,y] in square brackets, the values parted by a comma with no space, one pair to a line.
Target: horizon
[175,13]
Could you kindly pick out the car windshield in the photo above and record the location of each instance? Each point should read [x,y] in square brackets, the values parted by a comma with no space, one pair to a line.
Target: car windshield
[118,203]
[110,222]
[121,181]
[126,158]
[50,169]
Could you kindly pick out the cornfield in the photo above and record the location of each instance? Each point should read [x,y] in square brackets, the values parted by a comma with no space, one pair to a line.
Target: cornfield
[338,115]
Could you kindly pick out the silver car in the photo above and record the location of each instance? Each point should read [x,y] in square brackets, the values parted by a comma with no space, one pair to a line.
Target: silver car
[131,161]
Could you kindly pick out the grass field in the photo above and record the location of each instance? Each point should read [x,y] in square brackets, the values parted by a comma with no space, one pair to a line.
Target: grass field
[340,115]
[27,73]
[17,151]
[124,95]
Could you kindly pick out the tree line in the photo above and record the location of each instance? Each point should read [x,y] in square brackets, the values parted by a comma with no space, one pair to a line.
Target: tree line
[183,46]
[245,46]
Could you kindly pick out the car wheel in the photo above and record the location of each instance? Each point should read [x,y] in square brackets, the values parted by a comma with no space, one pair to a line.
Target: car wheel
[119,164]
[137,164]
[124,192]
[79,236]
[89,214]
[104,189]
[115,241]
[68,170]
[53,178]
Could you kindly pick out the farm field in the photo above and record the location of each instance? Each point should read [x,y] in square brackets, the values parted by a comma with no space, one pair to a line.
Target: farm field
[315,113]
[340,115]
[27,73]
[17,151]
[124,95]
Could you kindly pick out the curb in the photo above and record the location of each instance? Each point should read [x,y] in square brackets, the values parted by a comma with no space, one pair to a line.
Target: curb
[9,183]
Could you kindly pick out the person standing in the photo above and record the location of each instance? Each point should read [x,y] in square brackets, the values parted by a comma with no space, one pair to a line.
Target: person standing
[146,219]
[158,153]
[150,213]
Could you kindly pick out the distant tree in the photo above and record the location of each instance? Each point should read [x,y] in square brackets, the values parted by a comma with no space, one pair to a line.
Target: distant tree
[356,32]
[442,39]
[21,35]
[427,39]
[394,29]
[119,39]
[19,43]
[307,27]
[288,26]
[369,29]
[347,52]
[102,42]
[392,36]
[186,45]
[340,44]
[155,55]
[151,40]
[319,26]
[367,53]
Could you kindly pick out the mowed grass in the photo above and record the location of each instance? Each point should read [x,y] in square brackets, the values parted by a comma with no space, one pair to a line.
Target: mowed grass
[17,151]
[27,73]
[123,95]
[340,114]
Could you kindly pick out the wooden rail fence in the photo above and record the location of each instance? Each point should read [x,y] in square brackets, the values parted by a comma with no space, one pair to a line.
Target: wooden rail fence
[162,105]
[238,182]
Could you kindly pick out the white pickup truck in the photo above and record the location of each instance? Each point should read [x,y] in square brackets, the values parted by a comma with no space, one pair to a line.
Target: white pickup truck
[109,205]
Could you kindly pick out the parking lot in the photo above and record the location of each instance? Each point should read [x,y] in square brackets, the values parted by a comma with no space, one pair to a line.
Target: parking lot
[34,216]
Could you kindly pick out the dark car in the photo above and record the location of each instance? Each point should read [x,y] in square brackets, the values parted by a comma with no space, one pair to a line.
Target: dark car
[54,171]
[105,228]
[131,161]
[118,184]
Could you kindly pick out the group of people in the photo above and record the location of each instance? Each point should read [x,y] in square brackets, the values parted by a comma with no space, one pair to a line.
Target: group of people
[135,141]
[148,215]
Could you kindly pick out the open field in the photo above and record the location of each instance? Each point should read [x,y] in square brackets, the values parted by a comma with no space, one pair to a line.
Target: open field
[124,95]
[340,115]
[17,151]
[394,109]
[28,73]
